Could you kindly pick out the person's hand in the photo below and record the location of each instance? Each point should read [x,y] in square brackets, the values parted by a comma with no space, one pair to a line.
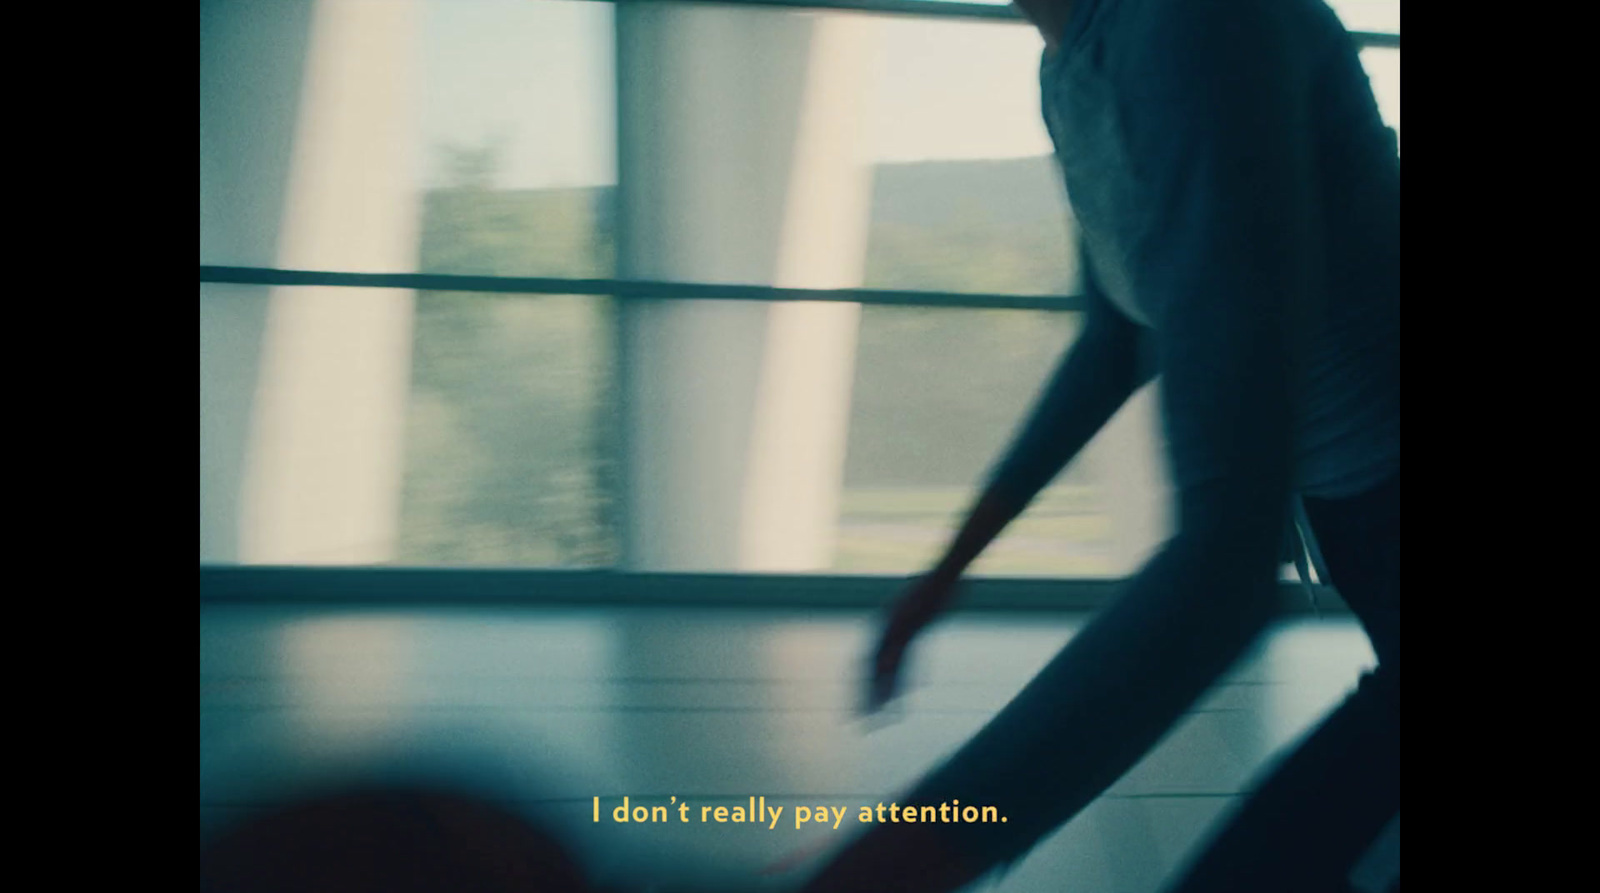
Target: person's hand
[916,607]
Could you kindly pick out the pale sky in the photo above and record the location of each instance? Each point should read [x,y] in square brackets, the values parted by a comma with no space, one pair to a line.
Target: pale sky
[538,73]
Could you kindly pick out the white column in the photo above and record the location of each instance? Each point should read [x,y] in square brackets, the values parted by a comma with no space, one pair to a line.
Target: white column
[739,162]
[325,454]
[801,428]
[252,64]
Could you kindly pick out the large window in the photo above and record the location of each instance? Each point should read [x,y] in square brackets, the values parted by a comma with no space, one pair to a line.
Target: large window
[457,422]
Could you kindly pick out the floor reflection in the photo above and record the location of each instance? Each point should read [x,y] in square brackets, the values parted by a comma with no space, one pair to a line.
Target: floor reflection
[546,710]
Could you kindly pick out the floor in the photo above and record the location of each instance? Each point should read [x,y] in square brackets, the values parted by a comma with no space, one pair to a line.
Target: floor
[551,708]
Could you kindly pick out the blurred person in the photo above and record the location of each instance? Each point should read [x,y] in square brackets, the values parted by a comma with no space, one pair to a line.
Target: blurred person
[390,839]
[420,837]
[1237,196]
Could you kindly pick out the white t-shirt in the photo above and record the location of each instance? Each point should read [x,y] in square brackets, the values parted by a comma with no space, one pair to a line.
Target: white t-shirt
[1129,123]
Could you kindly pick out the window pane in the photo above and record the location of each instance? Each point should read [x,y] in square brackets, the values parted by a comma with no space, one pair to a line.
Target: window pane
[1383,70]
[1379,16]
[359,427]
[506,434]
[834,149]
[938,396]
[329,129]
[518,135]
[966,196]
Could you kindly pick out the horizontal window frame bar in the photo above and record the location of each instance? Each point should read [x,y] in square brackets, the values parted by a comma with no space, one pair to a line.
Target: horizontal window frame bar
[435,587]
[936,10]
[932,9]
[633,289]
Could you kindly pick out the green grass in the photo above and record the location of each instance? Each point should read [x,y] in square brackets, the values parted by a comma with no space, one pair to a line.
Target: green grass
[926,518]
[859,502]
[866,555]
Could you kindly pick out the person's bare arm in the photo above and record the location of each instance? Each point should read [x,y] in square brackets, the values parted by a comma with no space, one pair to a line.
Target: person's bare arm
[1099,372]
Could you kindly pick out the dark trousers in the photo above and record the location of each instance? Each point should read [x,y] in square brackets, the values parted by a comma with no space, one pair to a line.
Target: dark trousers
[1316,814]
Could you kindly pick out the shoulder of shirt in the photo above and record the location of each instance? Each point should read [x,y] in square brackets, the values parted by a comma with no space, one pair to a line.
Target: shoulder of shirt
[1177,48]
